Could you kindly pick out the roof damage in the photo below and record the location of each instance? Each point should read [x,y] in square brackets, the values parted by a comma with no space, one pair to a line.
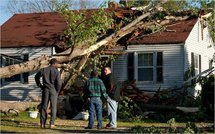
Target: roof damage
[44,29]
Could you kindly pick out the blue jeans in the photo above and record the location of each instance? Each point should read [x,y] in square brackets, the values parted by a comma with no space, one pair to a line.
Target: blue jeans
[95,105]
[112,112]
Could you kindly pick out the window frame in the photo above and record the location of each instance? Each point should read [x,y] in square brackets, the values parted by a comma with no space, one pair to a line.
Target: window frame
[154,66]
[196,63]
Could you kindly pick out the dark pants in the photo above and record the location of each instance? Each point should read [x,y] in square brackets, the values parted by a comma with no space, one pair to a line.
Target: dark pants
[47,96]
[95,105]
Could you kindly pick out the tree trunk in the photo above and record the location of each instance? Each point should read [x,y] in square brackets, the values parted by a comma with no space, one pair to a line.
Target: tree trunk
[67,84]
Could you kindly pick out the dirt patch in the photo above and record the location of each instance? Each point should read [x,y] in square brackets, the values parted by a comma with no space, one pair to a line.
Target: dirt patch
[16,105]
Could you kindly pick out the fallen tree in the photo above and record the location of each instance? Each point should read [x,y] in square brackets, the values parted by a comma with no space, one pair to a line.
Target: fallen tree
[82,52]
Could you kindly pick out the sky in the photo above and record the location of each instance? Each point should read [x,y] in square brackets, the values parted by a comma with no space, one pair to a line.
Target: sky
[5,14]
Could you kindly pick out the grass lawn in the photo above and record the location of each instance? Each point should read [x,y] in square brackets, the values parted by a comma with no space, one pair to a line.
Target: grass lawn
[23,123]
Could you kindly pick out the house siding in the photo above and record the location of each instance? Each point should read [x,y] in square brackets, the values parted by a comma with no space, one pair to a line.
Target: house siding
[195,44]
[173,63]
[200,43]
[18,90]
[119,68]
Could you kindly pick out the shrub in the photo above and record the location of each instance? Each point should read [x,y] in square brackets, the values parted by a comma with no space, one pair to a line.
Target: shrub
[207,94]
[129,110]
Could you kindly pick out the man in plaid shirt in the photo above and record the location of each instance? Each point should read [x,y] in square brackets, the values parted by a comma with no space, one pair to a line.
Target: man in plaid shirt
[94,89]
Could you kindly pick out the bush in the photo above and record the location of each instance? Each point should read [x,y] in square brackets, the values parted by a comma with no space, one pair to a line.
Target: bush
[190,128]
[140,129]
[129,110]
[207,94]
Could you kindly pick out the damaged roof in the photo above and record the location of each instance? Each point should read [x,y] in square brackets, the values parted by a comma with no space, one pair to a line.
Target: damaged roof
[33,29]
[176,32]
[44,29]
[41,29]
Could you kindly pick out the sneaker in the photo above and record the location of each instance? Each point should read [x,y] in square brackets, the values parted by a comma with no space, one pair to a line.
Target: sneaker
[52,126]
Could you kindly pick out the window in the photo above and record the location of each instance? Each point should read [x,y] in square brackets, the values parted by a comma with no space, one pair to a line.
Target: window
[196,63]
[149,66]
[10,61]
[145,67]
[7,60]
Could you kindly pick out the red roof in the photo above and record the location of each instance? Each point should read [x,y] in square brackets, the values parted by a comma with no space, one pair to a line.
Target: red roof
[40,29]
[176,32]
[33,29]
[43,29]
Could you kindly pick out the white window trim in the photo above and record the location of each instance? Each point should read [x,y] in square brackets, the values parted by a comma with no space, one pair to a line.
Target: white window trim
[154,66]
[196,68]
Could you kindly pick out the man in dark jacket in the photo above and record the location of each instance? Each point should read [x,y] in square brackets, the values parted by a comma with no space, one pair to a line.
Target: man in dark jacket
[50,89]
[94,89]
[114,96]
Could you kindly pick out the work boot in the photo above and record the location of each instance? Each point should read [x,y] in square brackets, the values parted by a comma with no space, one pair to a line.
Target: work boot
[52,126]
[88,127]
[42,126]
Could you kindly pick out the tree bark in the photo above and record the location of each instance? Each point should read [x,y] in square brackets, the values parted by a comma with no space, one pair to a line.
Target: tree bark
[70,80]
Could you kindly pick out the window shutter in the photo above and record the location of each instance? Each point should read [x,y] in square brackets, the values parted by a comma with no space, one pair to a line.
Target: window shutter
[25,75]
[1,58]
[192,64]
[200,64]
[192,60]
[192,67]
[159,66]
[130,66]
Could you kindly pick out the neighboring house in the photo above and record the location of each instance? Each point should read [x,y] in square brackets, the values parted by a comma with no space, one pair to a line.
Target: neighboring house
[160,60]
[25,37]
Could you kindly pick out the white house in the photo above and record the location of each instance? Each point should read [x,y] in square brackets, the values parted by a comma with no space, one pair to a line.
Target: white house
[25,37]
[160,60]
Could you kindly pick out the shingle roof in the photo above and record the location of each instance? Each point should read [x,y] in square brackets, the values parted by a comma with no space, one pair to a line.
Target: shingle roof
[176,32]
[33,29]
[41,29]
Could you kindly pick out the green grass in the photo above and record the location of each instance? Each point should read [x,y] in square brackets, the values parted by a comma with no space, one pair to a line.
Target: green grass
[8,129]
[22,117]
[23,123]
